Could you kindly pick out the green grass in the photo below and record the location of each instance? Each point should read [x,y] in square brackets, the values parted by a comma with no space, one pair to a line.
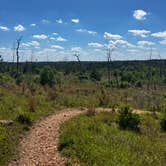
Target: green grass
[97,140]
[12,104]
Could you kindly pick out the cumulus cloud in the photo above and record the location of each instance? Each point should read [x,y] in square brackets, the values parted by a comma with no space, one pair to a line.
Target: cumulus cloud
[95,45]
[32,25]
[32,43]
[19,28]
[76,49]
[42,36]
[59,21]
[61,39]
[55,33]
[4,28]
[87,31]
[140,14]
[122,43]
[142,33]
[45,21]
[112,36]
[145,43]
[163,42]
[159,34]
[57,47]
[76,20]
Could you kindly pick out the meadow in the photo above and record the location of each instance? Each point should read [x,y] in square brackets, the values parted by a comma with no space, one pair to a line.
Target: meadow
[41,89]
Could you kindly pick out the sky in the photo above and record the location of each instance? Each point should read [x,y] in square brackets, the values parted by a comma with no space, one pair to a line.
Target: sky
[53,30]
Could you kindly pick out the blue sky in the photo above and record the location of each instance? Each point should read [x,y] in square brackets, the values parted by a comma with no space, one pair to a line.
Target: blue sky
[54,29]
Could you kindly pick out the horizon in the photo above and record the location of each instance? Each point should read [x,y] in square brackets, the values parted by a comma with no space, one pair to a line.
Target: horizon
[133,29]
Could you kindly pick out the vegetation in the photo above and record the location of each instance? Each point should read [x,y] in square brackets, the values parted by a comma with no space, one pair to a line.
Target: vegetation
[30,91]
[97,140]
[128,120]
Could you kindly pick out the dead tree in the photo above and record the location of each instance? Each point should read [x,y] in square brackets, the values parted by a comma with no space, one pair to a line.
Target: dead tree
[150,70]
[77,55]
[18,43]
[13,52]
[109,60]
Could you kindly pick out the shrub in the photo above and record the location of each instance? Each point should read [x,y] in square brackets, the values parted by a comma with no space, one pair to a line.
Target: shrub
[5,79]
[124,84]
[95,75]
[103,98]
[31,104]
[47,76]
[163,124]
[23,119]
[163,121]
[128,120]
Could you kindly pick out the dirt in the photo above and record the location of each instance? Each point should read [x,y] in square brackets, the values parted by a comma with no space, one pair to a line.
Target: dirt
[39,147]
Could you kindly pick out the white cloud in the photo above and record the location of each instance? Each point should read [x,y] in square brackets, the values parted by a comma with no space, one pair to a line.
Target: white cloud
[76,21]
[145,43]
[142,33]
[140,14]
[59,21]
[55,33]
[163,42]
[61,39]
[32,43]
[112,36]
[122,43]
[42,36]
[35,43]
[32,25]
[4,28]
[19,28]
[87,31]
[44,21]
[159,34]
[52,38]
[133,50]
[76,49]
[57,47]
[95,45]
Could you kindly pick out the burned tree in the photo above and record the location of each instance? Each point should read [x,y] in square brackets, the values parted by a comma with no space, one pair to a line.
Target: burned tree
[18,43]
[77,55]
[110,50]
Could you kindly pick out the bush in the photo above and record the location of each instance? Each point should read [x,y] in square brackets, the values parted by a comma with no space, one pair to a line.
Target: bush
[5,79]
[128,120]
[95,75]
[124,84]
[23,119]
[163,121]
[47,76]
[31,104]
[163,124]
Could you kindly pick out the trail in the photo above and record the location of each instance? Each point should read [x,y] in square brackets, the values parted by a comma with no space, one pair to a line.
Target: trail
[39,147]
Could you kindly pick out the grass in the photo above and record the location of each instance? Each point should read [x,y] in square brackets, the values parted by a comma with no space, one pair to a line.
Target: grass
[14,101]
[97,140]
[19,107]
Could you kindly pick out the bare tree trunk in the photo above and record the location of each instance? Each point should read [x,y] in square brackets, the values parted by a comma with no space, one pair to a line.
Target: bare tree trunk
[18,42]
[109,60]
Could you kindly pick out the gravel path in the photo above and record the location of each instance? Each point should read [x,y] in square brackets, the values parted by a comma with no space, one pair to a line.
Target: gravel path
[39,148]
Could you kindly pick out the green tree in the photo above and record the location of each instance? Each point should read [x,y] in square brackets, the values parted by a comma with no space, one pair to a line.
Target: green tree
[47,76]
[95,75]
[128,120]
